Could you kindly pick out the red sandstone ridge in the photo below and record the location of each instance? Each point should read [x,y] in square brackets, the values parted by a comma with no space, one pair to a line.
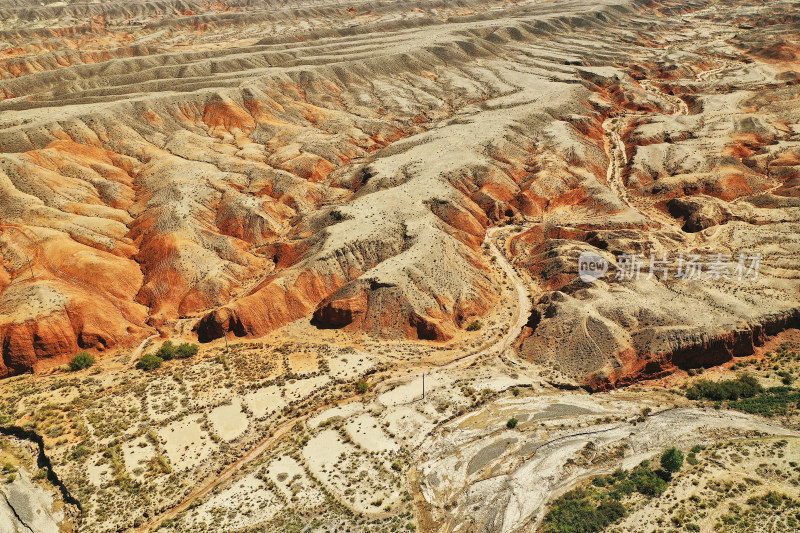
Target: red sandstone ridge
[80,297]
[700,351]
[382,309]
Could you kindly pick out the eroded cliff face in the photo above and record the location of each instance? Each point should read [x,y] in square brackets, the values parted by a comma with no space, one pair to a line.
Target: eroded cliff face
[244,166]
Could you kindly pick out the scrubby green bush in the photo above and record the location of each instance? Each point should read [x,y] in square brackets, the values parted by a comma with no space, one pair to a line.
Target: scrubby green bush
[81,360]
[512,423]
[575,512]
[149,362]
[186,350]
[745,386]
[81,450]
[622,488]
[647,482]
[596,507]
[362,386]
[167,351]
[672,460]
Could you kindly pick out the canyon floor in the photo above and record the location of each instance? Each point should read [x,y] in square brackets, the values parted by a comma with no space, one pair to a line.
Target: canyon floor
[370,217]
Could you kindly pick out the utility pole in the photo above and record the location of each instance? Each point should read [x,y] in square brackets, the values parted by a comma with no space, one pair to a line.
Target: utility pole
[226,342]
[423,386]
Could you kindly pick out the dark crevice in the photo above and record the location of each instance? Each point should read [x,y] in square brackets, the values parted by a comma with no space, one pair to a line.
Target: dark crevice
[533,320]
[42,461]
[16,514]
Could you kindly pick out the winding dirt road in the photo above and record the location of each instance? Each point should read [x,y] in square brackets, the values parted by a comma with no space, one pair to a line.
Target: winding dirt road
[521,313]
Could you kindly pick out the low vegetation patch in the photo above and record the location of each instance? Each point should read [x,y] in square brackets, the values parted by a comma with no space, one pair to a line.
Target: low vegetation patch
[772,511]
[474,326]
[362,387]
[167,352]
[775,401]
[149,362]
[672,460]
[81,360]
[186,350]
[582,511]
[603,503]
[745,386]
[747,395]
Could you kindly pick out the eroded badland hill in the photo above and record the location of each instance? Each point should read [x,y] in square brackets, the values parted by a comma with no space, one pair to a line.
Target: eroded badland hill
[334,199]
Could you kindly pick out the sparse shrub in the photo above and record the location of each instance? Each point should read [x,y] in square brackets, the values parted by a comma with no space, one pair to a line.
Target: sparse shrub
[186,350]
[515,392]
[474,326]
[81,360]
[745,386]
[672,460]
[362,387]
[167,351]
[647,482]
[149,362]
[55,431]
[159,464]
[512,423]
[81,450]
